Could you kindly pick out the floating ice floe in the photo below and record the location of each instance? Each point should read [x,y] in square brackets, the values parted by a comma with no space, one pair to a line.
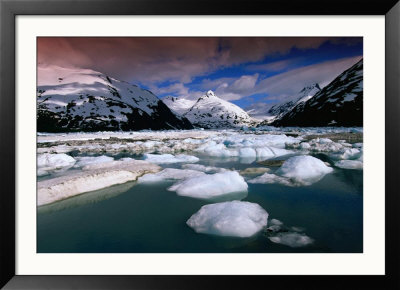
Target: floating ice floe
[296,171]
[203,168]
[59,188]
[234,219]
[213,149]
[88,160]
[169,174]
[210,186]
[48,163]
[346,153]
[349,164]
[304,169]
[169,158]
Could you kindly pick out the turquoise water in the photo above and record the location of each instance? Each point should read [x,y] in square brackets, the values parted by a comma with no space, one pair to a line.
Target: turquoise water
[146,218]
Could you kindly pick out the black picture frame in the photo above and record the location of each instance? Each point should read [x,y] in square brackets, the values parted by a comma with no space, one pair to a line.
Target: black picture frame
[10,9]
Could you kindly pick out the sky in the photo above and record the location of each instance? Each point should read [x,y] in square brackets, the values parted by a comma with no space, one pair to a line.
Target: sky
[244,70]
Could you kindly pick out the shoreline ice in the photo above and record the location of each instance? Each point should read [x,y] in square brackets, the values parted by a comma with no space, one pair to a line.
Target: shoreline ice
[105,175]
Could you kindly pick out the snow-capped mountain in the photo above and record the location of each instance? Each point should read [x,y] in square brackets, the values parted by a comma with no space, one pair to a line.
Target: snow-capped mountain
[303,96]
[179,105]
[268,113]
[210,111]
[81,99]
[340,103]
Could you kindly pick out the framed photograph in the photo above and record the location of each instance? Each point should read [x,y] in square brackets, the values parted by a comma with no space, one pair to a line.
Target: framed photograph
[191,145]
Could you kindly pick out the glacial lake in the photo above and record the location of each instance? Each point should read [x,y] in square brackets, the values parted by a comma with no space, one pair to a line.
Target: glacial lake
[147,218]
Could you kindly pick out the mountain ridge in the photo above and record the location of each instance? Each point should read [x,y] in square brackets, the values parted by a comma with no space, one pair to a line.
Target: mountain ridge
[85,100]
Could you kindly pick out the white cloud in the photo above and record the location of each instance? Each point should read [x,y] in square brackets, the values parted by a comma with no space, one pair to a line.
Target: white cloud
[291,82]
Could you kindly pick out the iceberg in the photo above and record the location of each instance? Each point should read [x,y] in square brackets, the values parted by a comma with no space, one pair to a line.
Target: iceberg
[210,185]
[233,218]
[304,169]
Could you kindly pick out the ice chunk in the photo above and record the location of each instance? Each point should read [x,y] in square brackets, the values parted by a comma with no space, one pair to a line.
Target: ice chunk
[305,145]
[264,153]
[267,178]
[211,185]
[304,169]
[203,168]
[169,158]
[346,153]
[247,152]
[349,164]
[274,226]
[169,174]
[324,140]
[87,160]
[59,188]
[234,218]
[48,163]
[220,150]
[292,239]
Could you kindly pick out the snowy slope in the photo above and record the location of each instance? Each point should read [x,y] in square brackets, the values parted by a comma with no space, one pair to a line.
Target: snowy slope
[270,113]
[86,100]
[340,103]
[303,96]
[179,105]
[210,111]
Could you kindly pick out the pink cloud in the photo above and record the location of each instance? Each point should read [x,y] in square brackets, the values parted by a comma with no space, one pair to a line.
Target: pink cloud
[157,59]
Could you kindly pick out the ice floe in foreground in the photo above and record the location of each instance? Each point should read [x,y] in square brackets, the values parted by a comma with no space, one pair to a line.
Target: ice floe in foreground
[169,158]
[75,183]
[233,218]
[48,163]
[210,186]
[296,171]
[169,174]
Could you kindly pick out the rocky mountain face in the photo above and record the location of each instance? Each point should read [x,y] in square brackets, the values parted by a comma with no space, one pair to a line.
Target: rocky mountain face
[86,100]
[210,111]
[340,103]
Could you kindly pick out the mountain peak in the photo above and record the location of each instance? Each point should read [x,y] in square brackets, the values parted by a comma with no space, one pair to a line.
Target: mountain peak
[310,87]
[210,93]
